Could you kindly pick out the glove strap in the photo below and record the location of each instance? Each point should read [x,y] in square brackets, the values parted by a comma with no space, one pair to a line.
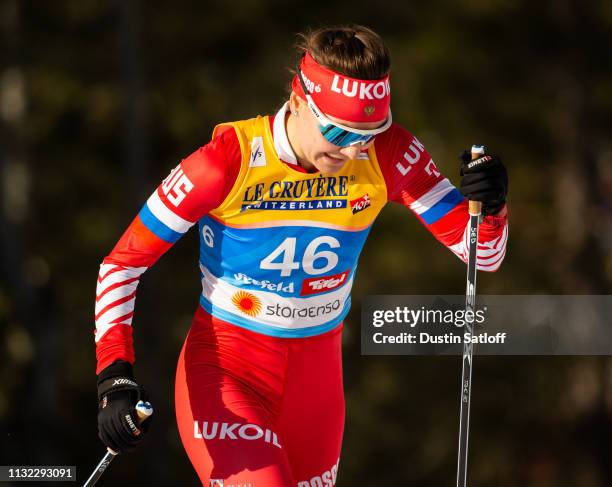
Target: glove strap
[116,377]
[116,384]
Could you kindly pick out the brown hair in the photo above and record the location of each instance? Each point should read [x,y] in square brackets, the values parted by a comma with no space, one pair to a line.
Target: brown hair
[351,50]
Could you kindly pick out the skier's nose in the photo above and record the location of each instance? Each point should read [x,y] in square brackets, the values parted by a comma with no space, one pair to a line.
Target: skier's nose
[351,151]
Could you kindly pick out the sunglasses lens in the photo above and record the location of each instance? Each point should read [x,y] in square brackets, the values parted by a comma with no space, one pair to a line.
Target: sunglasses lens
[343,138]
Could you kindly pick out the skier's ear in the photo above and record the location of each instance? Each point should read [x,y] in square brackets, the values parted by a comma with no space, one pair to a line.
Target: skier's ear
[296,102]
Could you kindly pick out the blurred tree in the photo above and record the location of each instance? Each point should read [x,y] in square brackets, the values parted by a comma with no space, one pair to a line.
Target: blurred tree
[30,324]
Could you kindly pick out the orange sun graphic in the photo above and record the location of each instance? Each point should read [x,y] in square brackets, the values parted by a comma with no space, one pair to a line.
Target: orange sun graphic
[247,303]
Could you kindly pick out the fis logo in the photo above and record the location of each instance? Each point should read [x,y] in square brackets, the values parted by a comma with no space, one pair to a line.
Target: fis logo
[258,156]
[360,203]
[315,285]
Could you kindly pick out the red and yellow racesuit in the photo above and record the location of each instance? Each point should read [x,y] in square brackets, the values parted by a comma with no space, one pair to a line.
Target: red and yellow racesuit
[259,396]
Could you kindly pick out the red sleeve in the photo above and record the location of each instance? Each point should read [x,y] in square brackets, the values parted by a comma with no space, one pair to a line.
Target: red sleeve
[414,181]
[196,186]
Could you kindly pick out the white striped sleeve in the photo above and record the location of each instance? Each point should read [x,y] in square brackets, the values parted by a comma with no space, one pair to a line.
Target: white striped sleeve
[115,296]
[489,255]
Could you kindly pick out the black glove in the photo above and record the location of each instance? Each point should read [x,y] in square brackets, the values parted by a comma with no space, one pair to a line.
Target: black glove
[484,179]
[118,394]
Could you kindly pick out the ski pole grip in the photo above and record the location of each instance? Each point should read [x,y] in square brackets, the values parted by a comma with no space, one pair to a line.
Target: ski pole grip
[475,207]
[143,410]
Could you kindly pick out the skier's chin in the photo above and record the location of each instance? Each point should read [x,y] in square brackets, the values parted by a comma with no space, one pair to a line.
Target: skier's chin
[329,164]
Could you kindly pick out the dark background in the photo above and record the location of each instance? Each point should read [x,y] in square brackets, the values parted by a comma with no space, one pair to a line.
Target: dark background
[100,99]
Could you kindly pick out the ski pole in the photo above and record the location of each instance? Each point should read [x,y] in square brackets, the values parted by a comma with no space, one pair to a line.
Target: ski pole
[143,411]
[475,210]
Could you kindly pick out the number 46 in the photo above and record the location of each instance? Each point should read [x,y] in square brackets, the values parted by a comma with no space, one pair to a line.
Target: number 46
[288,263]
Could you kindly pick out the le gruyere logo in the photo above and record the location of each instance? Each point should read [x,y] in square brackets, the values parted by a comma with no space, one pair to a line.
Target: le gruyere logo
[320,193]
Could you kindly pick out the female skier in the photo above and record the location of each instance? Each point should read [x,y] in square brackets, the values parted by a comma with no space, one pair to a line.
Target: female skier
[283,204]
